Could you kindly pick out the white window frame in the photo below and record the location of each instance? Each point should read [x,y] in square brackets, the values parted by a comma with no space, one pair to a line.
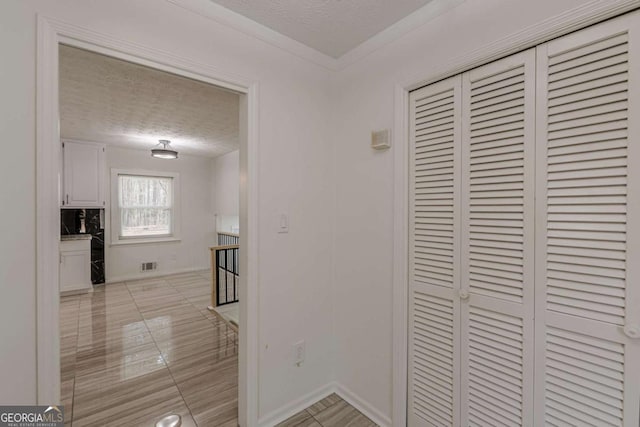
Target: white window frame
[116,239]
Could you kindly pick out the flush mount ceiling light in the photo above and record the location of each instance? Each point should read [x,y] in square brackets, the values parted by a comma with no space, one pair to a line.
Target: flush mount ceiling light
[164,151]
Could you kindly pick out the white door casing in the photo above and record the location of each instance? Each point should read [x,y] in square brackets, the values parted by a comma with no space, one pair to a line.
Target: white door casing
[51,32]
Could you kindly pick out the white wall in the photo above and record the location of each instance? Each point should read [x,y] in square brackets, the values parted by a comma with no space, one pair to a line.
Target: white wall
[197,223]
[362,101]
[17,218]
[226,184]
[295,160]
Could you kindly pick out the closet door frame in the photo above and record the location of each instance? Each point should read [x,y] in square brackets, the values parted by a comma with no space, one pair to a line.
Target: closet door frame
[569,21]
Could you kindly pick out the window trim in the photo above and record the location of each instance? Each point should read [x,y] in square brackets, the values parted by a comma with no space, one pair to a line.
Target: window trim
[116,239]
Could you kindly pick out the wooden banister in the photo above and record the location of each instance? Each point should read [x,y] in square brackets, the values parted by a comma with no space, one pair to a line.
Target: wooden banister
[221,247]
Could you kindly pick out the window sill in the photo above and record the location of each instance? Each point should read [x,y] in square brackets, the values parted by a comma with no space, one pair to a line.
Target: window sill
[145,241]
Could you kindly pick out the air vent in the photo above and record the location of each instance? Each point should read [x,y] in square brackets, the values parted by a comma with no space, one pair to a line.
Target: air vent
[381,140]
[149,266]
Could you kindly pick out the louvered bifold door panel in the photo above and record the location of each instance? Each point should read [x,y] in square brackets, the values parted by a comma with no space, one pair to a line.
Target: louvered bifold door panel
[434,317]
[587,222]
[497,263]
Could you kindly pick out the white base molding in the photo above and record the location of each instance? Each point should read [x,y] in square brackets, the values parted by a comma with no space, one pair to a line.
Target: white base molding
[76,292]
[290,409]
[307,400]
[151,275]
[369,411]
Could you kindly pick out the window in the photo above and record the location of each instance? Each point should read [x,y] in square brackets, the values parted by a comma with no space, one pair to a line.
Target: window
[143,206]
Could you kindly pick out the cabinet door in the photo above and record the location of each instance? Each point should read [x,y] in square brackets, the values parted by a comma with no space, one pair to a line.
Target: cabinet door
[588,227]
[434,306]
[83,165]
[497,264]
[75,270]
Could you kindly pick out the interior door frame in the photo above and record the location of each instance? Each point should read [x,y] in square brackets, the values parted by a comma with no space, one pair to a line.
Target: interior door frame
[51,33]
[582,16]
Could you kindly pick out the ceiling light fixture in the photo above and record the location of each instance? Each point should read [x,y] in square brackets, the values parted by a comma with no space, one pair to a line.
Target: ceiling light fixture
[164,151]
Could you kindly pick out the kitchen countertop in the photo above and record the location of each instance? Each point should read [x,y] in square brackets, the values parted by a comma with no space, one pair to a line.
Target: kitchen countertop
[75,237]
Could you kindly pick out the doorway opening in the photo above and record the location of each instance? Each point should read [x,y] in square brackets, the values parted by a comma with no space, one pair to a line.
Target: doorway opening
[157,282]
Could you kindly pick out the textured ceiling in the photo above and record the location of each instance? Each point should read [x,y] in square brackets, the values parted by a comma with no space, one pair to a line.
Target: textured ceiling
[107,100]
[333,27]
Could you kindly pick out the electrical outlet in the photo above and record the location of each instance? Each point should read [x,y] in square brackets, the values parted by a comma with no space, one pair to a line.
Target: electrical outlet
[298,353]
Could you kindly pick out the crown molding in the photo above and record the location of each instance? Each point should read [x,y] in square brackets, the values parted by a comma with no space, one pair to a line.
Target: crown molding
[229,18]
[404,26]
[589,13]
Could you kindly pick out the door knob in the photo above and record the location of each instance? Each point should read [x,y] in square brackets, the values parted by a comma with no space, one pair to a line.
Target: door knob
[463,294]
[632,331]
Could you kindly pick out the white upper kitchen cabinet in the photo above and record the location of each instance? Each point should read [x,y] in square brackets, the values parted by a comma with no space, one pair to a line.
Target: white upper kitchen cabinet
[83,174]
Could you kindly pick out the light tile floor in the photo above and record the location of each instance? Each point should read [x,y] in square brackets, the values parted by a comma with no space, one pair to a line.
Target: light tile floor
[132,352]
[331,411]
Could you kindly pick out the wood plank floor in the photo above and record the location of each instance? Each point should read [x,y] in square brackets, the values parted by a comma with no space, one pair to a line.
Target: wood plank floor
[132,352]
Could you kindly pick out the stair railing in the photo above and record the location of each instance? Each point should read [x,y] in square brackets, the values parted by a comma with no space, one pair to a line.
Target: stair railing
[224,277]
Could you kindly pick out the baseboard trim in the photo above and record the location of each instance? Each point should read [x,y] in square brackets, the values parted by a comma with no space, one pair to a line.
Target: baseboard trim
[140,276]
[76,292]
[361,405]
[287,411]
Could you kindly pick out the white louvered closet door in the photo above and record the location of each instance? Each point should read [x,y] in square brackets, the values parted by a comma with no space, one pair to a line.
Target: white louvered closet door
[588,227]
[497,253]
[434,307]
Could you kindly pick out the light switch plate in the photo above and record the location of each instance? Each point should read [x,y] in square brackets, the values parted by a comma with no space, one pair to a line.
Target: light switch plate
[299,350]
[283,223]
